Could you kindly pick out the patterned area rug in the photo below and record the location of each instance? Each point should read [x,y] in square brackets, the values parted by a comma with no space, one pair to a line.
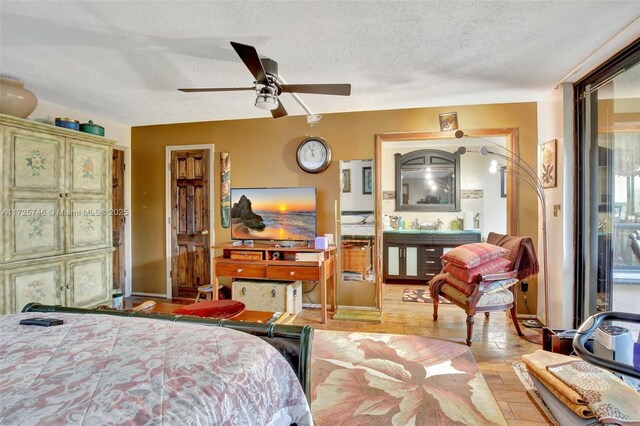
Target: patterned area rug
[419,295]
[386,379]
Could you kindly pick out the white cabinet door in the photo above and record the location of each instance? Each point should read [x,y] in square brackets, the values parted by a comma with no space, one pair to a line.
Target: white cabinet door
[89,169]
[411,261]
[34,161]
[39,283]
[33,194]
[89,278]
[89,227]
[34,227]
[393,261]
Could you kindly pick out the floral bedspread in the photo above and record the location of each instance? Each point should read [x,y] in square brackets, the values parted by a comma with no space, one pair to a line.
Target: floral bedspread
[100,369]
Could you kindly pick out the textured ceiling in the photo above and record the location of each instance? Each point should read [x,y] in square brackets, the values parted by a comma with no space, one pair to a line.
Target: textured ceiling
[124,60]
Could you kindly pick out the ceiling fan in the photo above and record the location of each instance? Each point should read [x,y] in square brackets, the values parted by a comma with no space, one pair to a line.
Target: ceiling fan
[268,85]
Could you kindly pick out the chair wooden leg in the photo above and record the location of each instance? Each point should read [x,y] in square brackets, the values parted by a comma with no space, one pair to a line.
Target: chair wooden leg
[435,308]
[514,318]
[470,321]
[486,314]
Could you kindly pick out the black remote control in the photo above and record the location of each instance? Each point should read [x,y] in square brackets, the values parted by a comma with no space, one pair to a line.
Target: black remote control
[45,322]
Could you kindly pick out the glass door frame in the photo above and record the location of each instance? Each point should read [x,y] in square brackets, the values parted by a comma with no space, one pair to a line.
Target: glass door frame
[586,106]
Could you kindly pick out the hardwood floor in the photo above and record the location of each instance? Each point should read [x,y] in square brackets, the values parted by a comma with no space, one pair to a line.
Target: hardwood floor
[495,344]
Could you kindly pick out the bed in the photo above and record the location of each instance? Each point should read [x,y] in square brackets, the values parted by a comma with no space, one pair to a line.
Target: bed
[108,367]
[355,224]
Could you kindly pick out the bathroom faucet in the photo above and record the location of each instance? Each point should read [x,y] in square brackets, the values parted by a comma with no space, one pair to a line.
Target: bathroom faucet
[416,223]
[438,224]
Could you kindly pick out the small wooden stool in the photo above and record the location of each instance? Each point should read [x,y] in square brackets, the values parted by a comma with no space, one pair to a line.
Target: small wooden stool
[206,291]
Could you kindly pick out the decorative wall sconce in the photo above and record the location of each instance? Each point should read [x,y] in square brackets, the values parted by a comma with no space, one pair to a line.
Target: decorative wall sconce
[448,121]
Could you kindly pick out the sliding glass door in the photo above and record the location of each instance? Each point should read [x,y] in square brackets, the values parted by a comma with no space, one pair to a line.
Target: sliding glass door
[608,187]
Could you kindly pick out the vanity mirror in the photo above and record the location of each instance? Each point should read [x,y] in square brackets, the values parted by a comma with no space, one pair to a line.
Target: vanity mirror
[428,180]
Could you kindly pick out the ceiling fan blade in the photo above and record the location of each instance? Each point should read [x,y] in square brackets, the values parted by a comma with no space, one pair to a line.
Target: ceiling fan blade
[218,89]
[280,111]
[250,57]
[318,89]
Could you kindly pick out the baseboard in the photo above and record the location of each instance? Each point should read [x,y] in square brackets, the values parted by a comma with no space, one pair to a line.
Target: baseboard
[160,296]
[526,316]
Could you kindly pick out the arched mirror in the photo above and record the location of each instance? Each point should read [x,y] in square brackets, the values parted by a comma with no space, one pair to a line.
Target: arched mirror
[428,180]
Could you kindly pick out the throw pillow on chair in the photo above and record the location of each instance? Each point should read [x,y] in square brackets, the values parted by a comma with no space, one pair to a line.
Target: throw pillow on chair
[474,254]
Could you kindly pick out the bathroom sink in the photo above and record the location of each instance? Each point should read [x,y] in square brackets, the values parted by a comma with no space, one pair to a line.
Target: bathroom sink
[428,231]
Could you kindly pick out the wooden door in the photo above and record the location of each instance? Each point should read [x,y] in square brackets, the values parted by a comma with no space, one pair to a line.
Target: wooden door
[118,219]
[190,261]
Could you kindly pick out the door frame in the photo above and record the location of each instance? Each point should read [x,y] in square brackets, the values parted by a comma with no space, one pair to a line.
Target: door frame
[513,143]
[128,220]
[167,208]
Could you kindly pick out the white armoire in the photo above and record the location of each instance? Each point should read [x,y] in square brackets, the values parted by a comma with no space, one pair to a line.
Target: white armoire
[55,202]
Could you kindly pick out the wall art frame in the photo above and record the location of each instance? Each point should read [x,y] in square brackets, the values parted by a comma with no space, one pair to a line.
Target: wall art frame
[367,181]
[225,189]
[448,121]
[549,177]
[346,180]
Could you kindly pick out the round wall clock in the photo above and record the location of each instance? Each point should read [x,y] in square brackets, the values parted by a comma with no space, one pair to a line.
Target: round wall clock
[314,155]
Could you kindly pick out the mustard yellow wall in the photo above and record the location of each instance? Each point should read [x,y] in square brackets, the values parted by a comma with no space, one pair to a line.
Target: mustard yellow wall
[263,154]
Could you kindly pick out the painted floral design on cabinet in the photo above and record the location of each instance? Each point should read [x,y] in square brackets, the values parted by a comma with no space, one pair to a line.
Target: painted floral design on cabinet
[37,227]
[36,162]
[89,279]
[37,233]
[87,168]
[36,291]
[86,224]
[87,283]
[90,229]
[32,284]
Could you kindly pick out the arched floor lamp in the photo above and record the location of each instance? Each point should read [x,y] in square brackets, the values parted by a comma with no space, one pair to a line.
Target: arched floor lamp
[524,171]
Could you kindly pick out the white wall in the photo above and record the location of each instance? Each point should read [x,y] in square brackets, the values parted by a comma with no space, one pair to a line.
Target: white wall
[474,175]
[555,121]
[47,112]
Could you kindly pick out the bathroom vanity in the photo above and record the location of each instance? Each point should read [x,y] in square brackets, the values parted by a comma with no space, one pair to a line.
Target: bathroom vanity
[415,254]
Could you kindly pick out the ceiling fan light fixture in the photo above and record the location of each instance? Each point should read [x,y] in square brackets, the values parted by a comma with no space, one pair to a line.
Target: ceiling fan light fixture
[267,99]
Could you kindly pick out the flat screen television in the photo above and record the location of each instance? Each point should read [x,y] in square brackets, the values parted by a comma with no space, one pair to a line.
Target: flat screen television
[277,214]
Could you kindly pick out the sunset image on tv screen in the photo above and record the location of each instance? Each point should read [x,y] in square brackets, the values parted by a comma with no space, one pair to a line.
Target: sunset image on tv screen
[273,214]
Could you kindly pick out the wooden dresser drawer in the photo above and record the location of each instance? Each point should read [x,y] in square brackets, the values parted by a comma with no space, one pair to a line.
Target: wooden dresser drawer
[432,263]
[246,270]
[428,274]
[293,273]
[431,251]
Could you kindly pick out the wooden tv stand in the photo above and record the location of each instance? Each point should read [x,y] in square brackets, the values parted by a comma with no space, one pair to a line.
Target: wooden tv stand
[270,262]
